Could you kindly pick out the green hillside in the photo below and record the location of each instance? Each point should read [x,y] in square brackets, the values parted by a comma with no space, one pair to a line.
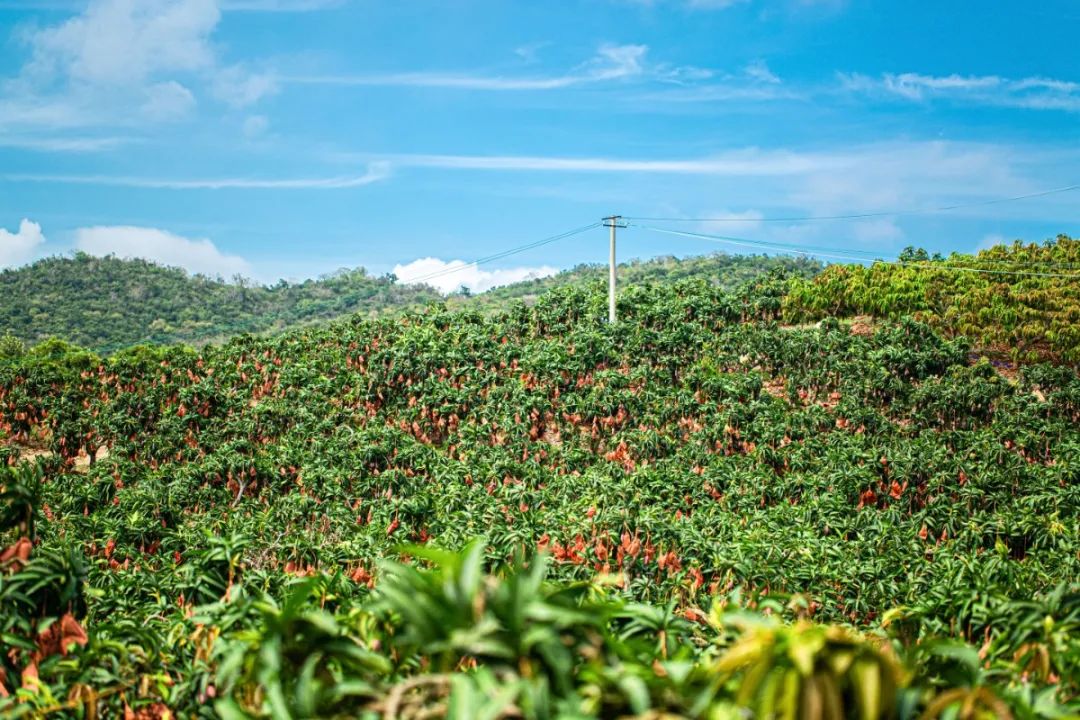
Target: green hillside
[739,519]
[1020,300]
[719,269]
[107,303]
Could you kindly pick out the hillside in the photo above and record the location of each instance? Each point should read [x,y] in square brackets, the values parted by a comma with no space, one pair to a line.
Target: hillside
[107,303]
[740,518]
[720,269]
[1021,301]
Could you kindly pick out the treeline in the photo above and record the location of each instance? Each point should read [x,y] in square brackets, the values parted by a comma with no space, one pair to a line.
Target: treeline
[106,304]
[719,269]
[1021,300]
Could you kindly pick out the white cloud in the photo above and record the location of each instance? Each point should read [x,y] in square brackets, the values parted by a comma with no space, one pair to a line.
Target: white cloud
[914,85]
[725,4]
[530,52]
[62,143]
[753,82]
[123,42]
[915,175]
[457,273]
[126,62]
[167,101]
[615,61]
[692,4]
[875,178]
[280,6]
[611,62]
[194,255]
[1034,93]
[759,70]
[20,246]
[713,4]
[270,6]
[749,162]
[869,178]
[375,172]
[239,87]
[726,91]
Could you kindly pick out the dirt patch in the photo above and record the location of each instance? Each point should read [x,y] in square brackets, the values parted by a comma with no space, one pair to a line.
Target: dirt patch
[82,462]
[1009,371]
[31,454]
[776,386]
[862,325]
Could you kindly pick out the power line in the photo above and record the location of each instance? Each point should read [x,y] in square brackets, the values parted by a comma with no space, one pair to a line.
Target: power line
[499,255]
[863,216]
[840,253]
[815,252]
[811,251]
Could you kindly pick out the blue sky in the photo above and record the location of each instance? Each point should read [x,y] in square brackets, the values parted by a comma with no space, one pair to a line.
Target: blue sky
[288,138]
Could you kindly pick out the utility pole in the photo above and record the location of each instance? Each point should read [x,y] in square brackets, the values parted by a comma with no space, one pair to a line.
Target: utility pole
[612,221]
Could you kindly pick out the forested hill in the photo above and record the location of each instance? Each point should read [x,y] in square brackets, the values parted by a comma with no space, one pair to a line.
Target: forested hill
[720,269]
[107,303]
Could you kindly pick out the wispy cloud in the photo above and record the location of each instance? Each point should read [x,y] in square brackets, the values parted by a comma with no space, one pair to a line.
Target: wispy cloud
[875,177]
[691,4]
[759,70]
[437,80]
[530,52]
[741,162]
[1036,93]
[713,4]
[270,6]
[375,173]
[725,4]
[754,82]
[610,63]
[281,6]
[63,144]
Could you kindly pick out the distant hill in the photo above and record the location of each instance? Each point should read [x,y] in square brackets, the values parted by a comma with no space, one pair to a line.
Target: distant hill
[107,303]
[720,269]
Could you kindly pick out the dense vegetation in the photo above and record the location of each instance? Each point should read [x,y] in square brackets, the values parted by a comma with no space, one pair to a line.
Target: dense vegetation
[721,269]
[106,304]
[1022,300]
[812,521]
